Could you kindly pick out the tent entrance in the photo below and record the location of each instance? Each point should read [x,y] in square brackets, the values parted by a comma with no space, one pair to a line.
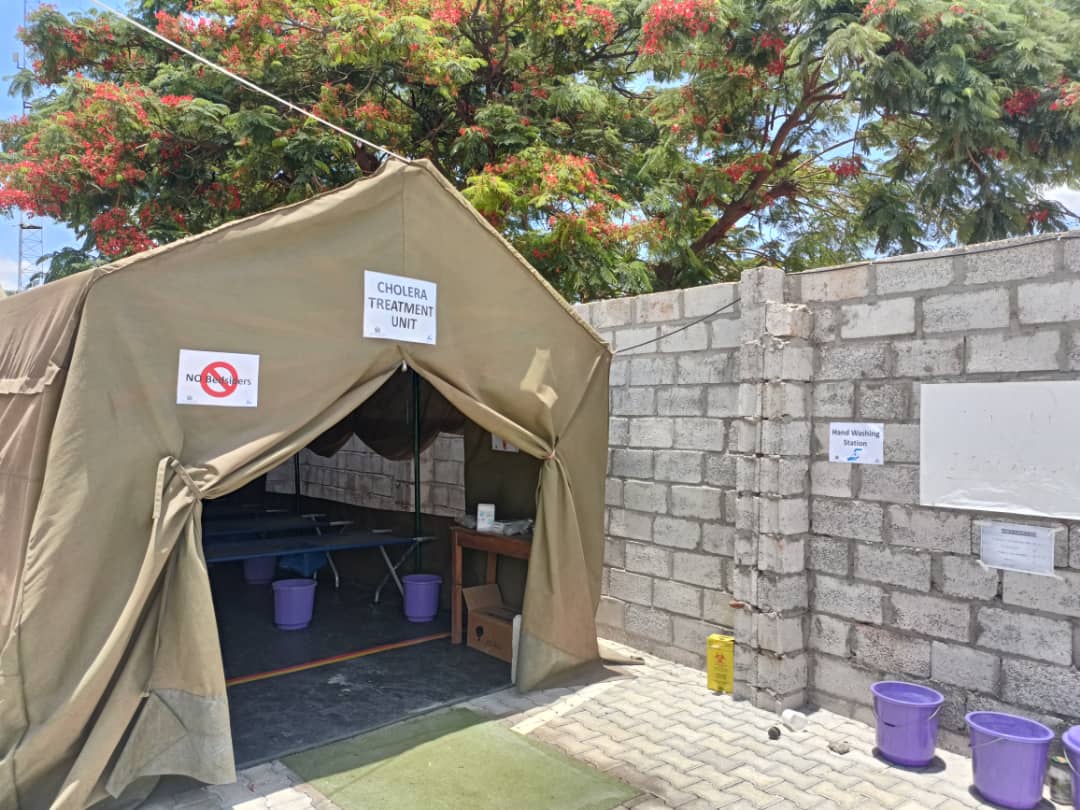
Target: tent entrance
[360,663]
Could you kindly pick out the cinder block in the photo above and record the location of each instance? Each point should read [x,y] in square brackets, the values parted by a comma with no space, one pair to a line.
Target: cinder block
[651,371]
[649,623]
[853,361]
[629,340]
[826,324]
[717,609]
[1020,261]
[661,306]
[787,320]
[691,634]
[651,432]
[1004,353]
[632,464]
[787,361]
[834,399]
[837,677]
[914,274]
[610,612]
[680,466]
[748,403]
[611,312]
[699,433]
[705,367]
[781,592]
[783,399]
[1074,546]
[829,635]
[631,525]
[894,483]
[929,529]
[1048,303]
[784,438]
[886,401]
[893,316]
[782,674]
[720,470]
[878,648]
[702,503]
[630,587]
[881,563]
[725,333]
[701,301]
[691,339]
[901,443]
[683,400]
[1042,686]
[961,312]
[965,577]
[845,518]
[645,496]
[718,538]
[932,616]
[614,552]
[723,401]
[852,600]
[618,432]
[676,533]
[760,285]
[827,555]
[778,634]
[677,597]
[750,362]
[936,357]
[645,558]
[963,666]
[835,285]
[781,555]
[1012,631]
[706,570]
[1059,595]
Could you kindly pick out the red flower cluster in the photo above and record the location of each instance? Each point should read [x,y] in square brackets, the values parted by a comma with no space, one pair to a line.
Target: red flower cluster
[1069,95]
[669,17]
[845,168]
[750,164]
[875,8]
[1021,102]
[117,236]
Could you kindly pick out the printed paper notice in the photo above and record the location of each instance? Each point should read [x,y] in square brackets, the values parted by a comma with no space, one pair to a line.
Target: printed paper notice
[399,308]
[222,379]
[857,442]
[502,445]
[1013,547]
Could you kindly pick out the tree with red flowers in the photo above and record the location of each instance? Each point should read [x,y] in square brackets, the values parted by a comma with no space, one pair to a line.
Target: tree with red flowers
[621,147]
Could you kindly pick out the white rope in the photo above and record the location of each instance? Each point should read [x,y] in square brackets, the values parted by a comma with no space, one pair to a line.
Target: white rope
[249,84]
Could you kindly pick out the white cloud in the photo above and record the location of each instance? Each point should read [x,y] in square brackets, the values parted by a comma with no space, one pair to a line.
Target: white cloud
[1068,197]
[9,275]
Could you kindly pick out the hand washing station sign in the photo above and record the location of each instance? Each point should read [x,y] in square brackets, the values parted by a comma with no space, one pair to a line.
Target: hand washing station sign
[399,308]
[857,442]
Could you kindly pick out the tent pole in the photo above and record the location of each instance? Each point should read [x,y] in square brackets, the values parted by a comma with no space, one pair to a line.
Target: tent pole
[417,527]
[296,484]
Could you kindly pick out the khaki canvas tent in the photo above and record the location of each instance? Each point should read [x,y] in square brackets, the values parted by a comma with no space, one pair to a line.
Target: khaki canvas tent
[110,668]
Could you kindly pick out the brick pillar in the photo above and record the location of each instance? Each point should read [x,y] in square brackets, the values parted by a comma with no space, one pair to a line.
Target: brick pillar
[772,445]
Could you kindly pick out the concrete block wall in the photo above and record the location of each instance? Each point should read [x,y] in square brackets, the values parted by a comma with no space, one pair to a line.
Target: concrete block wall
[358,475]
[670,520]
[895,588]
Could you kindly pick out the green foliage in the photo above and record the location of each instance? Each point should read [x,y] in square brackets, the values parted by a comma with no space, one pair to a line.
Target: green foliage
[621,146]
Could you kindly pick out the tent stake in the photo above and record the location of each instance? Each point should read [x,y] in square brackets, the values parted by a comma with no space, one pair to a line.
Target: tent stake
[417,524]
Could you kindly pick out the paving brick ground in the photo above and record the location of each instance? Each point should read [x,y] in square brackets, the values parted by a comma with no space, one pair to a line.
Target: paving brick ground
[684,747]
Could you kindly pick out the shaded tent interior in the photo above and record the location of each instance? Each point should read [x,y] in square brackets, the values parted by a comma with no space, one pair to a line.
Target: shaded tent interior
[277,714]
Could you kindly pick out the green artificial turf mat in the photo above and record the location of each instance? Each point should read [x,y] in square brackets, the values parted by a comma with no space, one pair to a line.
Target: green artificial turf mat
[452,760]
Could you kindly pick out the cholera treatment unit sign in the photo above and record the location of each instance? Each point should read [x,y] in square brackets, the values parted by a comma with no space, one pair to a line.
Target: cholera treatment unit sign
[224,379]
[399,308]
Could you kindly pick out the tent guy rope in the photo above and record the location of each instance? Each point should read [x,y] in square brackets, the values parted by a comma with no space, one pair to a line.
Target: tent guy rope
[247,83]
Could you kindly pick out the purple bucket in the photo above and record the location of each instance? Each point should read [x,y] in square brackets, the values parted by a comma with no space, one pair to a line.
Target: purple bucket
[259,570]
[1009,758]
[1071,741]
[294,601]
[421,596]
[906,722]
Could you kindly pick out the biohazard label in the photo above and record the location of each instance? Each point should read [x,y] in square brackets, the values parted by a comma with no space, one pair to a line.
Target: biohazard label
[225,379]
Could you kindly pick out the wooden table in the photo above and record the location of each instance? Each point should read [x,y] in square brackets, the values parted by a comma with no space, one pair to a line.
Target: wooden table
[495,545]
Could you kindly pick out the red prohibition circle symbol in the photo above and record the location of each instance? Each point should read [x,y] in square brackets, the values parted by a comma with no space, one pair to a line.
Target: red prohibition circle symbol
[221,373]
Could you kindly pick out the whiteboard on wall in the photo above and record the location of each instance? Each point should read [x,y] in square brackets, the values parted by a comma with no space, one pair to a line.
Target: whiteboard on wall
[1002,447]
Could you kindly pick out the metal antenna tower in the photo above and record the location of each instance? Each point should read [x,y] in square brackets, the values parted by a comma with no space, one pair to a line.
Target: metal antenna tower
[31,234]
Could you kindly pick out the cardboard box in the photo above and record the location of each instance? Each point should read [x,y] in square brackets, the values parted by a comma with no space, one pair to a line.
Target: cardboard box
[490,625]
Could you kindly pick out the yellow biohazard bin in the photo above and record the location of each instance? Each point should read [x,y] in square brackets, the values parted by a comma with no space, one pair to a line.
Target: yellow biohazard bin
[720,663]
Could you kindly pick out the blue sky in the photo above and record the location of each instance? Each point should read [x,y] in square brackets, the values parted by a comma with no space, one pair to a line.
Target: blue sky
[57,236]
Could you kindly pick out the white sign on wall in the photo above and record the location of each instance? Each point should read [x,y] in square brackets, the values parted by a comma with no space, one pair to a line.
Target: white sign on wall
[222,379]
[1013,547]
[502,445]
[857,442]
[399,308]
